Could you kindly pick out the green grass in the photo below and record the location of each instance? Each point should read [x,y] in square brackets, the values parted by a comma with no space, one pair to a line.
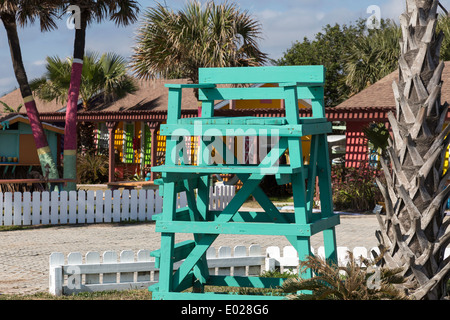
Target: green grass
[103,295]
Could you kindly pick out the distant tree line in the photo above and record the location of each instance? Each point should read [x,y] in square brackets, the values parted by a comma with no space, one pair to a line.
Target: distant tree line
[354,56]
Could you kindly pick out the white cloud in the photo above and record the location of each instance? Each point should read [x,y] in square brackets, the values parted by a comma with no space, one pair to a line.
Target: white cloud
[39,63]
[282,28]
[392,9]
[7,82]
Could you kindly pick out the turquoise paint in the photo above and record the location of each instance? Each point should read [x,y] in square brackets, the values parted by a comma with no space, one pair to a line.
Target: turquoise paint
[207,225]
[9,140]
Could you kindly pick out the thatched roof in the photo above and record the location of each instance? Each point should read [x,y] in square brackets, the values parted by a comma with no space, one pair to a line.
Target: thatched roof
[151,95]
[380,94]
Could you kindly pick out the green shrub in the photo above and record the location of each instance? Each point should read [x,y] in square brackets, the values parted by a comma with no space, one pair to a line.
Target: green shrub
[92,169]
[355,188]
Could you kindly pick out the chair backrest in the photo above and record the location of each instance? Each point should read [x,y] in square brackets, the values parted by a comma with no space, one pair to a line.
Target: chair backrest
[294,83]
[312,75]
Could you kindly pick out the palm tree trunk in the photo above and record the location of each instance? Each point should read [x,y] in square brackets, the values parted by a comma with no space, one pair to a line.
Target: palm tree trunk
[46,159]
[414,230]
[70,132]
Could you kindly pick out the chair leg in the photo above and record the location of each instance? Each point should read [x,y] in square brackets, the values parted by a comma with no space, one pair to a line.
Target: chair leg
[167,240]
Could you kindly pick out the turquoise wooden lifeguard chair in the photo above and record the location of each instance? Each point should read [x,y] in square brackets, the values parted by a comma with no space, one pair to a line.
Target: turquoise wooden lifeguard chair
[178,175]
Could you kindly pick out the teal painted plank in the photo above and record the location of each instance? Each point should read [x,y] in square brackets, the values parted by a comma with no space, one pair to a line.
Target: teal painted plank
[247,282]
[242,228]
[276,74]
[189,86]
[291,105]
[312,173]
[325,223]
[260,216]
[180,251]
[303,247]
[198,129]
[266,121]
[207,239]
[318,107]
[248,120]
[228,169]
[233,120]
[324,173]
[313,92]
[330,245]
[191,261]
[174,106]
[209,296]
[319,128]
[167,239]
[254,228]
[302,215]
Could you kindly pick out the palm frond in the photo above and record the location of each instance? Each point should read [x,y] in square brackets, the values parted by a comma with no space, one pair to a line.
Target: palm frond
[197,36]
[349,282]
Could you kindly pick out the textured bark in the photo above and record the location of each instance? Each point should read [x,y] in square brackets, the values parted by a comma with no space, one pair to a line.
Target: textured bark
[47,162]
[70,131]
[414,229]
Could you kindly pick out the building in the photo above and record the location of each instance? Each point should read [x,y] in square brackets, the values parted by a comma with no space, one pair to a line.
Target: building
[127,129]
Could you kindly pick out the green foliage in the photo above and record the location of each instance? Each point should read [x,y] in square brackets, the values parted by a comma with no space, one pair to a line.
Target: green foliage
[104,77]
[8,109]
[278,274]
[372,56]
[360,279]
[92,169]
[178,43]
[105,74]
[328,48]
[355,189]
[355,57]
[378,135]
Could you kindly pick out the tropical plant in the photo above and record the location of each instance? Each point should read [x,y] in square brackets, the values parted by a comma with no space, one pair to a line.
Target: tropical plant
[92,169]
[360,279]
[13,13]
[103,76]
[329,48]
[122,12]
[198,36]
[8,109]
[354,57]
[377,136]
[355,189]
[414,231]
[372,56]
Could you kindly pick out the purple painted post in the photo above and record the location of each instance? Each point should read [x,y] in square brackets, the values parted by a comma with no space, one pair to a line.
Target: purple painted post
[70,130]
[112,165]
[43,150]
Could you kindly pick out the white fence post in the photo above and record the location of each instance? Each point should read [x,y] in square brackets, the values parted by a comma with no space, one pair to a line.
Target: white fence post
[8,209]
[26,205]
[107,213]
[81,206]
[92,206]
[1,208]
[56,279]
[130,273]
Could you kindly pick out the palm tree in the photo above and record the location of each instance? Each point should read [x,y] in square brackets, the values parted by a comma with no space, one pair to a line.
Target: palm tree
[103,76]
[22,12]
[8,109]
[122,12]
[359,279]
[178,43]
[414,229]
[372,56]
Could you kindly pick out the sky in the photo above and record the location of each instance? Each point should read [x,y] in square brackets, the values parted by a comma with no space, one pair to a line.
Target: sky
[283,23]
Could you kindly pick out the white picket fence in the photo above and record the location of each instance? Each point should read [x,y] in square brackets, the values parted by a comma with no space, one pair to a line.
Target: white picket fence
[92,206]
[111,271]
